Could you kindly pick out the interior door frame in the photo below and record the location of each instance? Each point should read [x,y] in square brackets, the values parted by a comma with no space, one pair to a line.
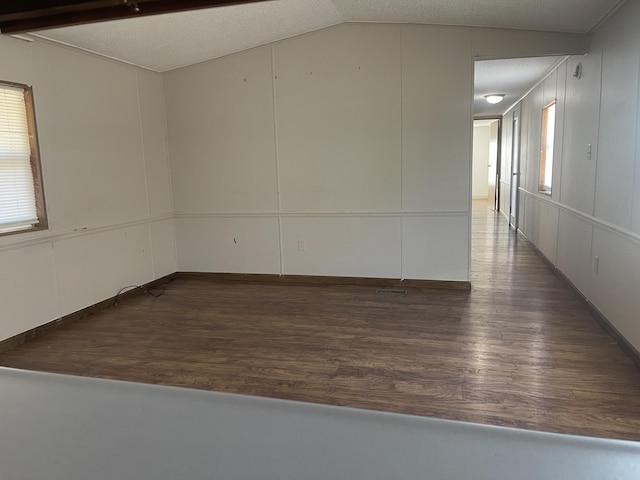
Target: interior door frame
[498,159]
[514,204]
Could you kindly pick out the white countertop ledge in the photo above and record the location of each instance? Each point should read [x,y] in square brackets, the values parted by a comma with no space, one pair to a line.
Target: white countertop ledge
[59,427]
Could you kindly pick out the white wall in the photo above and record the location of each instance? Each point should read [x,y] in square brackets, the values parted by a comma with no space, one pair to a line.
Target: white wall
[590,226]
[353,141]
[303,140]
[481,151]
[102,138]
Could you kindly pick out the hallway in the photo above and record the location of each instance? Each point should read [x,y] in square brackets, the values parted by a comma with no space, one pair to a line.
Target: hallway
[519,350]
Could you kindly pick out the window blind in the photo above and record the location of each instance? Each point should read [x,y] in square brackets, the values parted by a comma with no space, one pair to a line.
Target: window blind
[17,198]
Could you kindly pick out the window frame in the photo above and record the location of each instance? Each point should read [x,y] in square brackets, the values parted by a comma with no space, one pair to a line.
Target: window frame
[542,166]
[34,157]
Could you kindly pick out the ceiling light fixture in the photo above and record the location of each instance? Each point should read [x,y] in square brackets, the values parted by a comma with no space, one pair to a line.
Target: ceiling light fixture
[494,98]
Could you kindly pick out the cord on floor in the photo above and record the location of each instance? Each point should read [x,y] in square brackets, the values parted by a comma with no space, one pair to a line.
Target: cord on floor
[133,287]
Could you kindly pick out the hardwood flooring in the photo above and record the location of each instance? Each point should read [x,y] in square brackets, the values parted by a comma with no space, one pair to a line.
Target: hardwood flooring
[520,349]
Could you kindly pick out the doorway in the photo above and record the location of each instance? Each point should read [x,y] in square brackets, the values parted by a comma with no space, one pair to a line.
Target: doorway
[486,158]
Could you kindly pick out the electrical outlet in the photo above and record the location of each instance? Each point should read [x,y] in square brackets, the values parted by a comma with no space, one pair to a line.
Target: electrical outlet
[302,245]
[596,264]
[589,151]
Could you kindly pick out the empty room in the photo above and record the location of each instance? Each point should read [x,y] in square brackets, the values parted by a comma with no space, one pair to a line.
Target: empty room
[320,239]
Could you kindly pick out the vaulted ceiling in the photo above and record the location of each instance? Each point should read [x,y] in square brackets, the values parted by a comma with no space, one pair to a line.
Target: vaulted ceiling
[169,41]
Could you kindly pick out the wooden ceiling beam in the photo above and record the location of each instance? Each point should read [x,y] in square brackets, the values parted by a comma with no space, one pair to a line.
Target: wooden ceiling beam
[16,10]
[28,16]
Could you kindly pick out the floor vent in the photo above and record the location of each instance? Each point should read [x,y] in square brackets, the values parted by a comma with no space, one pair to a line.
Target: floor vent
[391,291]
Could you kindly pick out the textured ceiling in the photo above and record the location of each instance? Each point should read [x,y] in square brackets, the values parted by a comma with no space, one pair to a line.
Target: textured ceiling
[165,42]
[577,16]
[512,77]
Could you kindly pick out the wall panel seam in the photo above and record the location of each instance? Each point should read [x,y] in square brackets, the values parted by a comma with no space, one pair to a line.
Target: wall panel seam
[636,156]
[144,157]
[597,161]
[276,154]
[401,30]
[68,234]
[461,213]
[596,222]
[146,174]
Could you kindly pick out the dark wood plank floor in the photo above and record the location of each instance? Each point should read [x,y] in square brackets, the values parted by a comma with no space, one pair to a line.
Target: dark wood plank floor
[519,350]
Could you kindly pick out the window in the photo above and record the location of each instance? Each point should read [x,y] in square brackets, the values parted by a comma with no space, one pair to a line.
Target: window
[546,150]
[21,194]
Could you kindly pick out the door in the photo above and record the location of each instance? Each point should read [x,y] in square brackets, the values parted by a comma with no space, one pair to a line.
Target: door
[515,171]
